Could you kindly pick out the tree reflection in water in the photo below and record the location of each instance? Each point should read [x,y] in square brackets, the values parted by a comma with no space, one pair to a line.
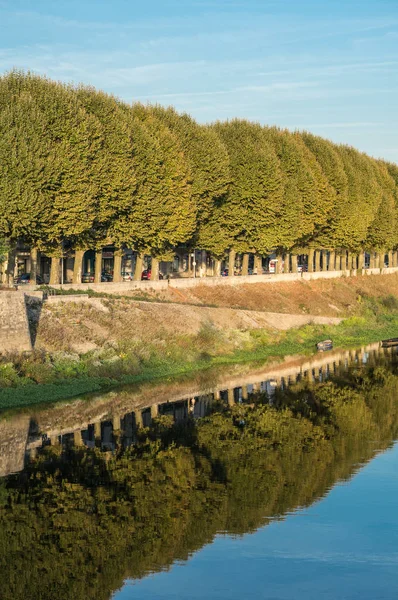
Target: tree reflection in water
[77,521]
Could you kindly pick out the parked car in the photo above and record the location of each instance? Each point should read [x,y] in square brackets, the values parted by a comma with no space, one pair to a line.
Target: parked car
[127,276]
[105,276]
[302,268]
[25,279]
[272,265]
[146,275]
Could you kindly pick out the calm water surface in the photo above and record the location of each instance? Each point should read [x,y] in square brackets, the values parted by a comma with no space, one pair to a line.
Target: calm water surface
[342,547]
[277,485]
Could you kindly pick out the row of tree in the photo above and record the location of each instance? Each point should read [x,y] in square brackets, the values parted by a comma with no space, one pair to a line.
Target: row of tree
[81,167]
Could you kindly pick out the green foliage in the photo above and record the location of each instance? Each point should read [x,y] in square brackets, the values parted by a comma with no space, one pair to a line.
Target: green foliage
[80,169]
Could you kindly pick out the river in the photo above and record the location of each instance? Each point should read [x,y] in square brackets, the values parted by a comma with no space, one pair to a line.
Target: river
[265,482]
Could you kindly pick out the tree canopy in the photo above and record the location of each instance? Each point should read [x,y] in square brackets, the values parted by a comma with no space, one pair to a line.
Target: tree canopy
[81,167]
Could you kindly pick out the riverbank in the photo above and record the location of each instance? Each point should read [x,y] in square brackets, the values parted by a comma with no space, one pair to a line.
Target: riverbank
[54,377]
[92,347]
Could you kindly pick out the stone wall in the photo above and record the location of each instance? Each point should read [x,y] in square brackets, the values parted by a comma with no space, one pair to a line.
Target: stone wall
[14,325]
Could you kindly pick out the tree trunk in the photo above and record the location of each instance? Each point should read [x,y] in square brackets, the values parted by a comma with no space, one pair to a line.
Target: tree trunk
[344,260]
[279,261]
[310,260]
[154,269]
[203,265]
[55,273]
[332,260]
[138,267]
[355,262]
[33,265]
[286,268]
[10,268]
[258,264]
[318,260]
[245,264]
[98,266]
[294,263]
[117,266]
[349,261]
[78,266]
[231,263]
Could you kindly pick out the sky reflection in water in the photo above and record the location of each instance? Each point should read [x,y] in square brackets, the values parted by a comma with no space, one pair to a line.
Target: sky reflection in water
[343,547]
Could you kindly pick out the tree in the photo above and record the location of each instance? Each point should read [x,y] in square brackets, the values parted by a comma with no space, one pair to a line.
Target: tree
[308,197]
[162,212]
[249,218]
[48,159]
[354,216]
[208,162]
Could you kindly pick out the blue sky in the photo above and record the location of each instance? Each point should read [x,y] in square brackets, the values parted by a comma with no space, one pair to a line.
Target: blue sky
[328,66]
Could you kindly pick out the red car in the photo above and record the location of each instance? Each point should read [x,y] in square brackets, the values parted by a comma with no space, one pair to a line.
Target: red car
[146,275]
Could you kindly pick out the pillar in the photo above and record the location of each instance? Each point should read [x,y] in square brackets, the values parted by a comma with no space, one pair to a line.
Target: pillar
[361,260]
[154,269]
[231,397]
[395,258]
[117,266]
[390,259]
[294,263]
[33,265]
[55,273]
[217,395]
[245,264]
[217,268]
[231,262]
[78,266]
[318,260]
[116,422]
[98,266]
[245,394]
[154,410]
[286,267]
[332,260]
[310,260]
[372,260]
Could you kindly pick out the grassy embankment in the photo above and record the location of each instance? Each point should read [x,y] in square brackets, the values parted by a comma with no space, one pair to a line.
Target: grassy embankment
[53,375]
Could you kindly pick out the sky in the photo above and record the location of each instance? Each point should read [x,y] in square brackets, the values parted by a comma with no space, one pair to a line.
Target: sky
[327,66]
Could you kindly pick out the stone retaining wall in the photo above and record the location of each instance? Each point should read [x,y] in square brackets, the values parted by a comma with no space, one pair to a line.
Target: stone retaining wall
[14,325]
[189,282]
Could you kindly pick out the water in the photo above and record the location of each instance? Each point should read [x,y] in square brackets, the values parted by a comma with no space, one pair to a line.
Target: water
[200,489]
[345,546]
